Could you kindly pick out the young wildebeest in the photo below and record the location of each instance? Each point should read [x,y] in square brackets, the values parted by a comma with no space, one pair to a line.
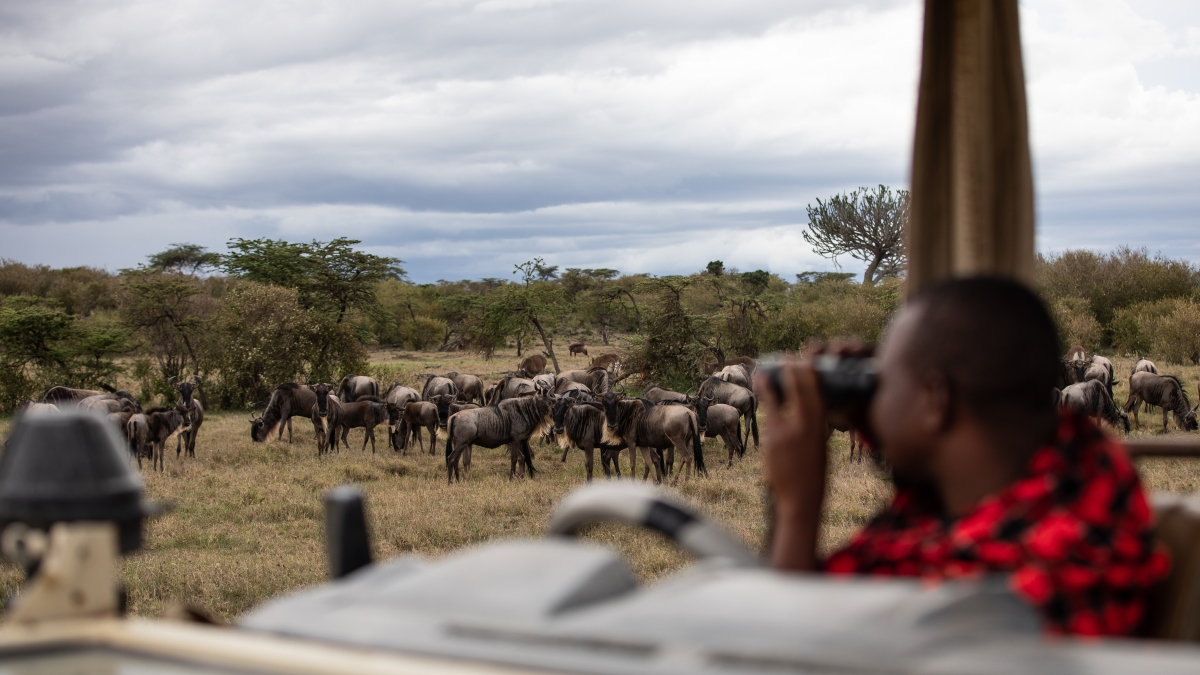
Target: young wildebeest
[355,387]
[417,415]
[511,422]
[576,348]
[367,412]
[470,387]
[154,427]
[287,401]
[326,417]
[581,424]
[598,380]
[642,424]
[187,437]
[737,396]
[531,365]
[1091,398]
[1166,392]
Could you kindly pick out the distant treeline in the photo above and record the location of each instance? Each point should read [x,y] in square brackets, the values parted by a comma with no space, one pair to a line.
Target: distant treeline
[272,311]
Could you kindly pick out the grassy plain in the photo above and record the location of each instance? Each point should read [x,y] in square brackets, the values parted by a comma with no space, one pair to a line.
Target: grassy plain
[248,522]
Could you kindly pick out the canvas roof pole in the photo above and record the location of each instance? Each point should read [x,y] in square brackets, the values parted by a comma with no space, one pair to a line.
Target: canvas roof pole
[972,184]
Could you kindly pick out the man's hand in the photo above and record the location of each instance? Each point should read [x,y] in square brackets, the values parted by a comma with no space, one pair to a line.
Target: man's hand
[795,461]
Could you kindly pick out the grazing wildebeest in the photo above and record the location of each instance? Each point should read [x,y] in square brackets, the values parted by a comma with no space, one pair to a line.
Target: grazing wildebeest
[470,387]
[737,374]
[641,424]
[187,436]
[737,396]
[326,417]
[610,362]
[1164,391]
[287,401]
[397,397]
[599,380]
[1077,353]
[511,386]
[660,394]
[436,385]
[581,424]
[1091,398]
[576,348]
[366,413]
[419,415]
[355,387]
[154,427]
[531,365]
[510,422]
[1144,366]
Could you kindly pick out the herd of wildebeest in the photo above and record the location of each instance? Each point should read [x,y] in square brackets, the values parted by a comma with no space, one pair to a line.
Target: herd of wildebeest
[586,409]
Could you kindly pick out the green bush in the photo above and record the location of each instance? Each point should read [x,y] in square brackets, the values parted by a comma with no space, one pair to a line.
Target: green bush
[1076,325]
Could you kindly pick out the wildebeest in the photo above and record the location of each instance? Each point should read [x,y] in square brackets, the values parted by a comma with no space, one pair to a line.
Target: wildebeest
[511,386]
[1077,353]
[108,403]
[641,424]
[1100,369]
[749,363]
[737,396]
[531,365]
[576,348]
[355,387]
[658,394]
[447,405]
[510,422]
[581,424]
[326,417]
[598,380]
[470,387]
[287,401]
[60,396]
[1091,398]
[121,420]
[35,408]
[1144,366]
[725,422]
[1164,391]
[153,428]
[367,412]
[436,385]
[567,386]
[418,415]
[187,436]
[397,397]
[1070,372]
[545,381]
[736,373]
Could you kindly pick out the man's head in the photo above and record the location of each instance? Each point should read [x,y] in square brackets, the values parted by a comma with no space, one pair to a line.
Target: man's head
[981,351]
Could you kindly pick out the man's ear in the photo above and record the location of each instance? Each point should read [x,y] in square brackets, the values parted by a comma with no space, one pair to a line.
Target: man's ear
[935,409]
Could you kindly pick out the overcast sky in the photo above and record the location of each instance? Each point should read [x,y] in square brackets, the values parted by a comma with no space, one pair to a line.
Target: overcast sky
[464,136]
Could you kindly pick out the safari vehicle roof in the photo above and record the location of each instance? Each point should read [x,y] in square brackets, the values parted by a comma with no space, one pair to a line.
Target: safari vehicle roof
[556,605]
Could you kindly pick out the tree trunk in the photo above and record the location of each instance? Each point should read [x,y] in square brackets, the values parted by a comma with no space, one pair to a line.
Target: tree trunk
[869,273]
[518,345]
[604,333]
[549,345]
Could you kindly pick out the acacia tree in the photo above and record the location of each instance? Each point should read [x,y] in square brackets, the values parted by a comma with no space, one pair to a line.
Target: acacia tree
[170,312]
[185,259]
[867,225]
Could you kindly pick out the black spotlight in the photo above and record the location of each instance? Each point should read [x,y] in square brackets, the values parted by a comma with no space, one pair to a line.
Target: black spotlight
[71,467]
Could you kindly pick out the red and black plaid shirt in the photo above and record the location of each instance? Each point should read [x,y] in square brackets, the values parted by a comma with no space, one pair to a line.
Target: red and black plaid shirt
[1074,534]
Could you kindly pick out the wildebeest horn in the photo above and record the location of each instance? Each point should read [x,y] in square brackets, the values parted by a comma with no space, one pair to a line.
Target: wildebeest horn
[171,380]
[688,393]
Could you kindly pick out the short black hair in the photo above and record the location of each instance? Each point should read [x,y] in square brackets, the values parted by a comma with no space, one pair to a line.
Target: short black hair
[994,341]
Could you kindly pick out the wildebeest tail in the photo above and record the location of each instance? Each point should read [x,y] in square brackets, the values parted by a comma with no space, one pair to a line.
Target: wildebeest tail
[754,419]
[449,438]
[697,446]
[741,446]
[109,388]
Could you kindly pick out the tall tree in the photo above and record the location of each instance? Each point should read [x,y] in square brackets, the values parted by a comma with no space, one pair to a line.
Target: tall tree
[184,259]
[867,225]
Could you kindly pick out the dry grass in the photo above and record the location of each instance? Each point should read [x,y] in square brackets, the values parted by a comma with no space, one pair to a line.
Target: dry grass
[248,519]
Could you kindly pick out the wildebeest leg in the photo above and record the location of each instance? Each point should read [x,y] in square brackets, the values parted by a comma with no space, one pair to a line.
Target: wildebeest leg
[589,457]
[514,456]
[565,451]
[179,442]
[1164,409]
[432,437]
[669,461]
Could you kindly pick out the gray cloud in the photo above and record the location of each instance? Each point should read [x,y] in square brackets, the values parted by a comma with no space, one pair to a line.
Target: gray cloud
[464,136]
